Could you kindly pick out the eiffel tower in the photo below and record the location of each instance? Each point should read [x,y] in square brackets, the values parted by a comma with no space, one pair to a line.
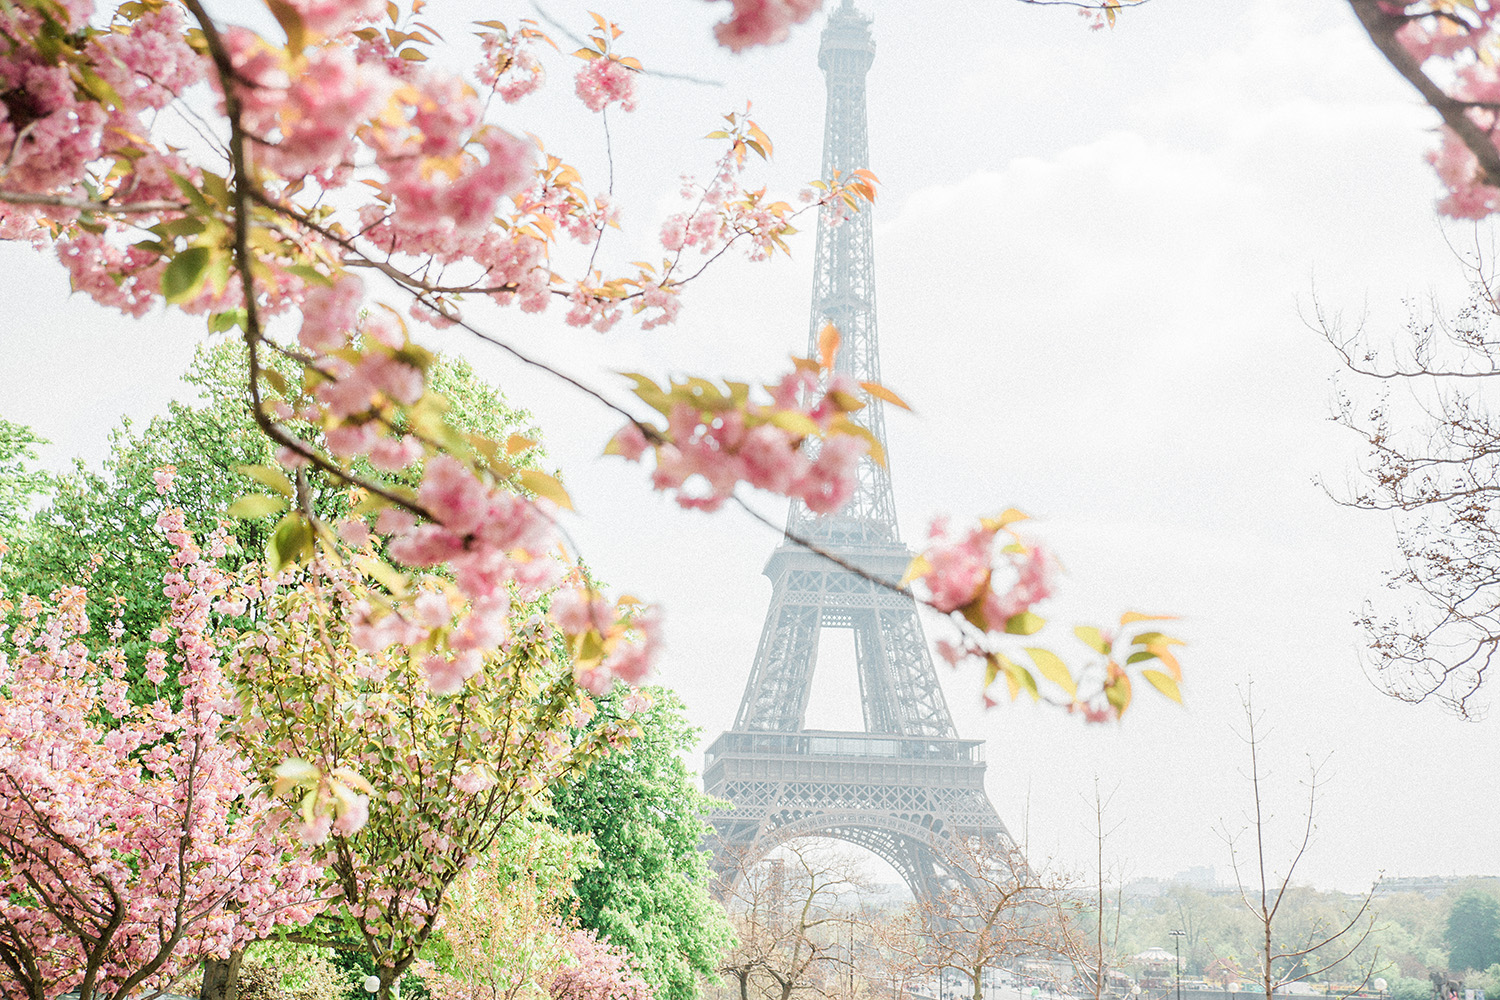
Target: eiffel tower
[906,784]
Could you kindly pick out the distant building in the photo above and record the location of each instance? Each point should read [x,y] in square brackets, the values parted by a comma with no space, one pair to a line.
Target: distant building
[1201,877]
[1433,885]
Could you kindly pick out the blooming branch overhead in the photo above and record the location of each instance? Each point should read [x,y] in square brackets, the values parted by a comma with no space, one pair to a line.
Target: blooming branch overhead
[990,580]
[345,179]
[1446,49]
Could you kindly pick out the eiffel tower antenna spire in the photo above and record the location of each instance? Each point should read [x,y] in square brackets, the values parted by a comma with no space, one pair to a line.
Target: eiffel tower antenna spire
[906,784]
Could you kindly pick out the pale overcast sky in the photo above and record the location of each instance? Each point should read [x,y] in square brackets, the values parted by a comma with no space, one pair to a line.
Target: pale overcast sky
[1093,249]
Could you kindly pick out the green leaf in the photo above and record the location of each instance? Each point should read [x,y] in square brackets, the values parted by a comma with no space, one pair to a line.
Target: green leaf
[253,505]
[184,276]
[229,319]
[1093,638]
[1163,683]
[268,476]
[291,542]
[1024,623]
[1053,668]
[547,486]
[1139,657]
[192,194]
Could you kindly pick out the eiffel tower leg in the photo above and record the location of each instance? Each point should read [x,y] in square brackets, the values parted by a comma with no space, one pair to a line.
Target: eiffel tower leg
[776,697]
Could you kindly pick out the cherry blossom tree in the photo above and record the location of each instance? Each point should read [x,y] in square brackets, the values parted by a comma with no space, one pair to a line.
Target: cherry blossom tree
[597,971]
[505,923]
[1441,47]
[133,838]
[405,773]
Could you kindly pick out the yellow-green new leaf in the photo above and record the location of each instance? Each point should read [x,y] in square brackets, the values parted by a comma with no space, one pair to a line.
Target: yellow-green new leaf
[253,505]
[919,566]
[268,476]
[1164,684]
[291,22]
[293,772]
[1024,623]
[383,573]
[290,543]
[1152,640]
[1135,616]
[547,486]
[795,423]
[1018,678]
[1053,668]
[1117,693]
[1093,638]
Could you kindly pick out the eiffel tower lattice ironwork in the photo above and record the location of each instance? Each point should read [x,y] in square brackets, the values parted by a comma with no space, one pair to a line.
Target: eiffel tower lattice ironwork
[906,784]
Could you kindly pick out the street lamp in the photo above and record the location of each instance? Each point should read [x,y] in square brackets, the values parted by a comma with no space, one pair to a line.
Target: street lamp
[1177,937]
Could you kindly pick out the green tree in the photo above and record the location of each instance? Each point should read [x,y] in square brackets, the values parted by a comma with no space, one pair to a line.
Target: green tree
[100,524]
[1411,988]
[19,481]
[646,816]
[1473,933]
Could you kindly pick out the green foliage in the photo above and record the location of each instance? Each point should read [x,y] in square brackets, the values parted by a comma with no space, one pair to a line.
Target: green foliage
[109,514]
[1473,931]
[19,481]
[644,812]
[1409,988]
[1488,980]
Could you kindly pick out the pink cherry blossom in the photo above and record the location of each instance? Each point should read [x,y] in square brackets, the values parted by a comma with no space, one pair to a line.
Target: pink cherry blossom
[165,477]
[329,313]
[332,17]
[604,81]
[762,22]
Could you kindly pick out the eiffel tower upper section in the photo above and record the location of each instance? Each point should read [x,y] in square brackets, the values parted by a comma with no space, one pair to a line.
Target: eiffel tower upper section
[844,286]
[899,691]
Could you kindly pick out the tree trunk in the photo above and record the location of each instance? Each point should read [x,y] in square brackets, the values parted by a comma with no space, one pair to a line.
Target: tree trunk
[388,977]
[220,977]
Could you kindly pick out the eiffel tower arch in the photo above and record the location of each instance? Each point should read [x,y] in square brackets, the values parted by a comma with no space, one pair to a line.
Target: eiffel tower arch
[907,785]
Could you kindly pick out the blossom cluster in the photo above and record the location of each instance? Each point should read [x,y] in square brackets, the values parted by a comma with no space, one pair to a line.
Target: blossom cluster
[992,581]
[713,441]
[762,22]
[958,574]
[507,63]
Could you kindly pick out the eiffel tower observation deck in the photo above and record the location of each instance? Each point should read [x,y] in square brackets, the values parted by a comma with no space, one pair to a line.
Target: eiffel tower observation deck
[907,784]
